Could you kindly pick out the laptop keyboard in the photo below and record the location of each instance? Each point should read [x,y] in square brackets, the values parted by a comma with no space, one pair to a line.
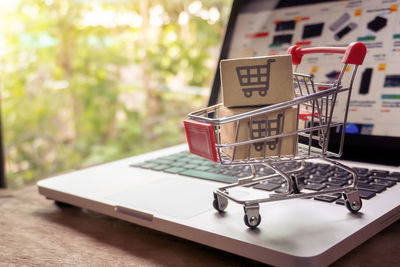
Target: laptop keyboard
[317,176]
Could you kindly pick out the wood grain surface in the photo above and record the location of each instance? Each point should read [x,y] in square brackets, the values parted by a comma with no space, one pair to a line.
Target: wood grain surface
[36,232]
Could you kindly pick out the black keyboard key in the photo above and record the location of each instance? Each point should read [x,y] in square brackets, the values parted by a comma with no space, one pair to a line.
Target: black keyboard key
[314,187]
[282,189]
[322,166]
[379,173]
[395,175]
[361,171]
[191,166]
[277,180]
[372,187]
[318,180]
[342,176]
[310,165]
[336,183]
[327,198]
[267,186]
[331,187]
[387,183]
[340,171]
[229,173]
[242,175]
[336,180]
[366,194]
[340,201]
[325,173]
[304,174]
[209,176]
[394,179]
[364,179]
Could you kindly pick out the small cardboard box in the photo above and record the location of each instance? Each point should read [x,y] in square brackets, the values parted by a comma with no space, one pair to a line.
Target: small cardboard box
[278,122]
[257,80]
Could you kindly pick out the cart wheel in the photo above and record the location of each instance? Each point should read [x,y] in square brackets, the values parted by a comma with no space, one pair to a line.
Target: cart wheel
[220,203]
[353,207]
[353,201]
[253,222]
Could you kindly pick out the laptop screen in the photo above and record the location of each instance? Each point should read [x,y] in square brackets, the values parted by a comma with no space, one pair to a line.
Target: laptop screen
[259,28]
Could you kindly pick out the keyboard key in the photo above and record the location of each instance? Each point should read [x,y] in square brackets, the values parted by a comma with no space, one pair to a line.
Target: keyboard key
[160,167]
[318,180]
[277,180]
[242,175]
[372,187]
[327,198]
[379,173]
[395,175]
[322,166]
[229,173]
[394,179]
[336,183]
[282,189]
[209,176]
[191,166]
[340,201]
[267,186]
[314,187]
[331,187]
[364,179]
[178,164]
[336,180]
[340,171]
[174,170]
[361,171]
[216,170]
[366,194]
[342,176]
[202,168]
[387,183]
[149,165]
[325,173]
[161,161]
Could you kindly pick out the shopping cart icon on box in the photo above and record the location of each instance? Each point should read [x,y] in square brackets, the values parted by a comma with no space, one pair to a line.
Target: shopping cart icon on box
[264,128]
[254,78]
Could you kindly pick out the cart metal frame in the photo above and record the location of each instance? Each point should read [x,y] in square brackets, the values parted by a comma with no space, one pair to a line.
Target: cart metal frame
[315,111]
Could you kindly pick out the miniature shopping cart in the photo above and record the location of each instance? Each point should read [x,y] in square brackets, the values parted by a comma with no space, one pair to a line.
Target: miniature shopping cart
[254,78]
[315,117]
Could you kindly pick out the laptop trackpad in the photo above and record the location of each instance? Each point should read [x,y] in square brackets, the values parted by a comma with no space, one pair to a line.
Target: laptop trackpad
[177,198]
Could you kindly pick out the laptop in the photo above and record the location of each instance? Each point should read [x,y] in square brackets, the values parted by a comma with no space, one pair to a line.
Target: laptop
[171,190]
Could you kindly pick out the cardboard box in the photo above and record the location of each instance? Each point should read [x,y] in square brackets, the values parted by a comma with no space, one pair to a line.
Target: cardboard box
[279,122]
[256,81]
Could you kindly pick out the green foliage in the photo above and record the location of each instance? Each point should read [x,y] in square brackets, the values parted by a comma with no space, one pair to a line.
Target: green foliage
[75,95]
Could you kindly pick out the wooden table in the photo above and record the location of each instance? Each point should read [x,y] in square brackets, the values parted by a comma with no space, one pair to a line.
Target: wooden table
[36,232]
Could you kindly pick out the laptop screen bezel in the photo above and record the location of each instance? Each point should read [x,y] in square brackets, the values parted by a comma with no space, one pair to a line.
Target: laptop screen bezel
[365,148]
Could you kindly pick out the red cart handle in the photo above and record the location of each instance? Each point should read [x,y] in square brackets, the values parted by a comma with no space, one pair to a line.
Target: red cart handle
[354,53]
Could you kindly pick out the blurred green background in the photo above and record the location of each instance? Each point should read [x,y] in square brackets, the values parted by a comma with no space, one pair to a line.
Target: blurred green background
[85,82]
